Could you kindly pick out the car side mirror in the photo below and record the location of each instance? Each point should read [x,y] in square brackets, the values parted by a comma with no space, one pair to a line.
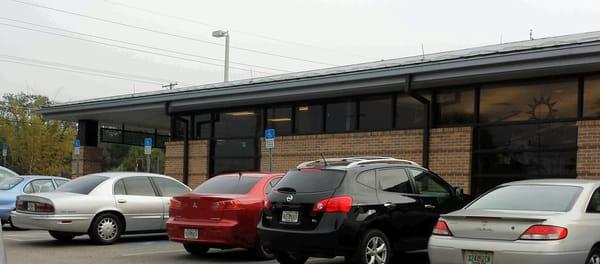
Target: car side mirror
[459,192]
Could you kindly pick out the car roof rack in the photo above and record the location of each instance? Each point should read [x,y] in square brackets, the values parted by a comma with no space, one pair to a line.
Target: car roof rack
[353,162]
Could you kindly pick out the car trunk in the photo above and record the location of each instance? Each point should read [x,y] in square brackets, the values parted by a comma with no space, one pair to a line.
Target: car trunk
[32,202]
[196,206]
[493,224]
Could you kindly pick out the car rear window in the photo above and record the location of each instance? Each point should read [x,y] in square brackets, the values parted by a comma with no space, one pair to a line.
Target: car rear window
[82,185]
[10,182]
[312,180]
[529,198]
[228,185]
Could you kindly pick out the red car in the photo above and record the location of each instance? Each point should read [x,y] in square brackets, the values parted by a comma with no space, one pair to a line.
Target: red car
[222,213]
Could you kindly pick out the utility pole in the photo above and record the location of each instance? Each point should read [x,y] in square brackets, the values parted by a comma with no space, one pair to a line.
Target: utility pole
[170,85]
[220,34]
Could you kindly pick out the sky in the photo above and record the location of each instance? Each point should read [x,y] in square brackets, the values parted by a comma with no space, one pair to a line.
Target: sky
[81,49]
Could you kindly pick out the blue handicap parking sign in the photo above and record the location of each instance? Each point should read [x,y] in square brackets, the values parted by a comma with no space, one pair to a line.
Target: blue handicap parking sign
[77,143]
[147,142]
[270,133]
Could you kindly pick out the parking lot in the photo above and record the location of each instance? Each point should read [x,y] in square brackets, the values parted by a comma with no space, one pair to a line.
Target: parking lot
[38,247]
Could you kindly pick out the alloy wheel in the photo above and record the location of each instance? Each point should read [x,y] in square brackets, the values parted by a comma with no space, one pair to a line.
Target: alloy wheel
[376,251]
[107,228]
[594,259]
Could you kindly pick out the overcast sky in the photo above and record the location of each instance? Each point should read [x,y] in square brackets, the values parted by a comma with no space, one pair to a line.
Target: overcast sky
[267,37]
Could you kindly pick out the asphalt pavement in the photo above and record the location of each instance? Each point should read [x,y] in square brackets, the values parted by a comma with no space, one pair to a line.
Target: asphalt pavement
[24,247]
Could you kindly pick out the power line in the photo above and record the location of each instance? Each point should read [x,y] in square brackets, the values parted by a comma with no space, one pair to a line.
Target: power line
[128,48]
[168,34]
[239,31]
[139,45]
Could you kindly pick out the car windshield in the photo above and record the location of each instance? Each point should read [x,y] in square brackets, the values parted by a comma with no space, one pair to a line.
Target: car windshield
[10,182]
[552,198]
[312,180]
[82,185]
[228,185]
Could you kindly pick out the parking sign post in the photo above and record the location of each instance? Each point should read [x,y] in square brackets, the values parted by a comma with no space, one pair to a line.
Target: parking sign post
[4,153]
[148,152]
[76,152]
[270,145]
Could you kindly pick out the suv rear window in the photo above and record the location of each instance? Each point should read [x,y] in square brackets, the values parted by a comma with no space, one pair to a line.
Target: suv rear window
[228,185]
[82,185]
[312,180]
[529,198]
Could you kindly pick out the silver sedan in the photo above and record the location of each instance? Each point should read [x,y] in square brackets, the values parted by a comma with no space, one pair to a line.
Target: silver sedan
[103,205]
[537,221]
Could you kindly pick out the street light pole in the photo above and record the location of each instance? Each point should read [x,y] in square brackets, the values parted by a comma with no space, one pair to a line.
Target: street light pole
[220,34]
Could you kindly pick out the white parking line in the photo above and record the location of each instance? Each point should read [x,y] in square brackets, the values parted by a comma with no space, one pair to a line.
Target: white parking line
[153,252]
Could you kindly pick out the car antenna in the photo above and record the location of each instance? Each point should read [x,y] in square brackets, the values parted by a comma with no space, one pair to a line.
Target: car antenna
[324,160]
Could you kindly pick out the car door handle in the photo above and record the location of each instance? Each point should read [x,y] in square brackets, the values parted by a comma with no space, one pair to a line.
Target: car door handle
[121,201]
[430,206]
[388,205]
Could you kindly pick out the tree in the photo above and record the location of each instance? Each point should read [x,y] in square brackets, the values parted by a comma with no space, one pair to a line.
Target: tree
[36,145]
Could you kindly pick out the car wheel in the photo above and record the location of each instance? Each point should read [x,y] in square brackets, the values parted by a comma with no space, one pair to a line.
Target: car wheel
[374,248]
[106,229]
[290,258]
[261,252]
[61,236]
[594,257]
[196,250]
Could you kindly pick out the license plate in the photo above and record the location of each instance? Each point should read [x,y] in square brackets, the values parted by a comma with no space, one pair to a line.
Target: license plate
[289,216]
[478,257]
[31,207]
[190,233]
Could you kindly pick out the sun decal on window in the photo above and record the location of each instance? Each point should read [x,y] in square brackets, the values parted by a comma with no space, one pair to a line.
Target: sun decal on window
[542,108]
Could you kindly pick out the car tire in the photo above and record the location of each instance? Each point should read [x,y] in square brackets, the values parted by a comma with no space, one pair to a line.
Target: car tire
[261,252]
[594,256]
[195,249]
[290,258]
[61,236]
[106,229]
[374,244]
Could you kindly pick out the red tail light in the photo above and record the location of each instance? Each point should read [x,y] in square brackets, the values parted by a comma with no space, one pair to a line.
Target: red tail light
[174,205]
[544,232]
[267,204]
[38,207]
[44,208]
[228,205]
[441,229]
[341,204]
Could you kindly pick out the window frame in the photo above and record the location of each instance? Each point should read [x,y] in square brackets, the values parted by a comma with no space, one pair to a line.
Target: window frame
[376,187]
[449,188]
[34,180]
[154,187]
[589,203]
[409,177]
[157,188]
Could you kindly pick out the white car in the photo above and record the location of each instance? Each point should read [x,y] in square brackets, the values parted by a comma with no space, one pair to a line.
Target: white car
[103,205]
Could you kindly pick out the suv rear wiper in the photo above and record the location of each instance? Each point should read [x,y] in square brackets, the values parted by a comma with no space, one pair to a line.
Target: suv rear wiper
[287,190]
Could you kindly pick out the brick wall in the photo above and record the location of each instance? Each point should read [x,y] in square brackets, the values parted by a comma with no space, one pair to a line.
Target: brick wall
[88,161]
[588,149]
[198,161]
[450,155]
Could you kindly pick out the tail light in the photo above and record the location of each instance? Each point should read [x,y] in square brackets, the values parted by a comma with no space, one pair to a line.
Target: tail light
[174,205]
[44,208]
[228,205]
[341,204]
[38,207]
[441,229]
[544,232]
[267,204]
[21,206]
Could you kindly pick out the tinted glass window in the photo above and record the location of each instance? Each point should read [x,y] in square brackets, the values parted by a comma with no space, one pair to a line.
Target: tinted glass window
[455,107]
[367,178]
[375,113]
[280,119]
[429,184]
[226,165]
[179,129]
[10,182]
[594,206]
[341,117]
[410,113]
[202,125]
[38,186]
[271,185]
[169,187]
[529,198]
[82,185]
[393,180]
[228,185]
[309,118]
[544,100]
[138,186]
[60,182]
[120,188]
[591,96]
[239,123]
[310,180]
[235,147]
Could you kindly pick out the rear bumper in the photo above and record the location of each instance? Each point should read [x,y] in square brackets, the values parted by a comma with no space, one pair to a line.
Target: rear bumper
[223,233]
[65,223]
[450,250]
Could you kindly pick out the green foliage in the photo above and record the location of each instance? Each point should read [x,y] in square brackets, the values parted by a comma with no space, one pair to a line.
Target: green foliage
[36,145]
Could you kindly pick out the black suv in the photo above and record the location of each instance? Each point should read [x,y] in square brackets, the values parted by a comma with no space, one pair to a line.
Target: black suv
[363,208]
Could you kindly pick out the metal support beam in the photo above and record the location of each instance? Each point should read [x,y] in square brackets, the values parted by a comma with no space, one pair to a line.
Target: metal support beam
[428,118]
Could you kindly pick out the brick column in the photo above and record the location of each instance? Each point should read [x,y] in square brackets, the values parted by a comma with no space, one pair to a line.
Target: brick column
[198,161]
[588,149]
[450,155]
[88,161]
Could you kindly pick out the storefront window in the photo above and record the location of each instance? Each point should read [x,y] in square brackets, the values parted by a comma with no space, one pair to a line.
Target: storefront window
[341,117]
[238,123]
[309,118]
[410,113]
[591,96]
[455,107]
[539,101]
[203,125]
[375,113]
[280,119]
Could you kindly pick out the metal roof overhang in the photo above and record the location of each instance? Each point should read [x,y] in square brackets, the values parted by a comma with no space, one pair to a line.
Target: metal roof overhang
[152,110]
